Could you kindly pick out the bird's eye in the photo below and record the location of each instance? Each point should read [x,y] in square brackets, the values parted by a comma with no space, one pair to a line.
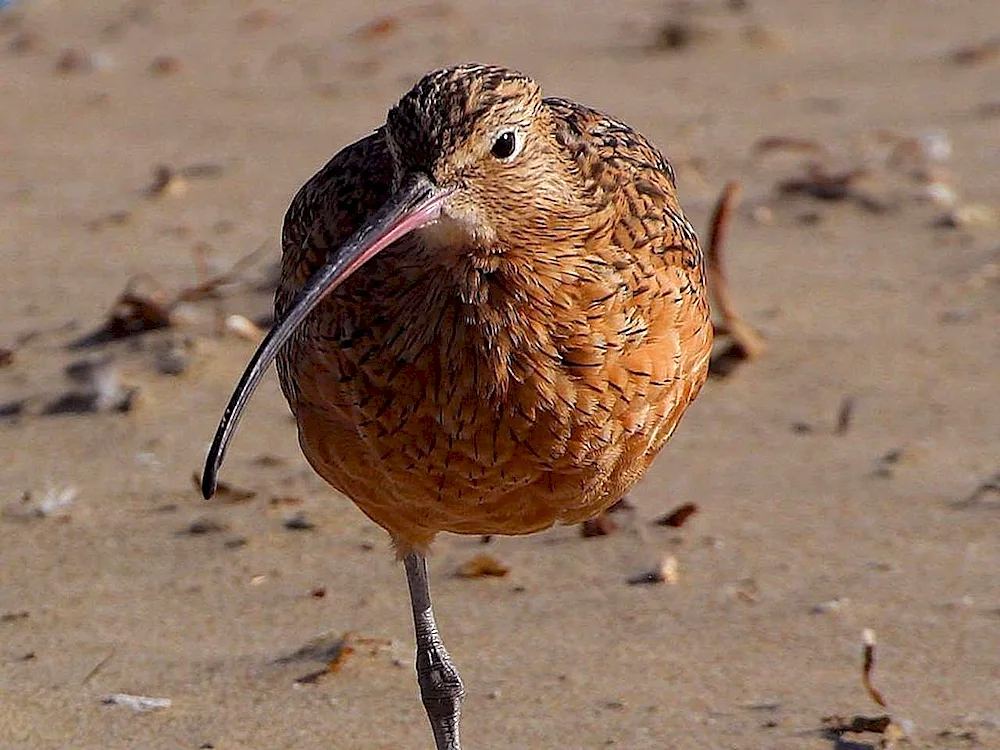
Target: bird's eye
[506,145]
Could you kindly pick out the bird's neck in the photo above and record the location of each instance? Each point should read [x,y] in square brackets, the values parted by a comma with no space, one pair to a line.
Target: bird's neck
[493,316]
[497,305]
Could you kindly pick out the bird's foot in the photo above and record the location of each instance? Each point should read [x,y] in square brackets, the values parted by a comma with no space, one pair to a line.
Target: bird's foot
[442,692]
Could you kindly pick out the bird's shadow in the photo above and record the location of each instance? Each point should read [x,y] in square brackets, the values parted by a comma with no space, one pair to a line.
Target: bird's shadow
[839,743]
[837,727]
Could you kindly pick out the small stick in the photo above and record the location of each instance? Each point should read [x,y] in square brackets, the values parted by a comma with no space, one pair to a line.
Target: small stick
[770,143]
[844,415]
[990,484]
[747,339]
[99,666]
[868,666]
[200,256]
[209,286]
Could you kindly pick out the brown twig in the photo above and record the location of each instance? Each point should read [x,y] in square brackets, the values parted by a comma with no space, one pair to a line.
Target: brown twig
[211,285]
[844,416]
[99,666]
[678,516]
[868,667]
[988,486]
[749,343]
[772,143]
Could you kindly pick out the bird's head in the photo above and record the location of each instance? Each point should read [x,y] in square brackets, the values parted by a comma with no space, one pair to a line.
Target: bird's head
[480,137]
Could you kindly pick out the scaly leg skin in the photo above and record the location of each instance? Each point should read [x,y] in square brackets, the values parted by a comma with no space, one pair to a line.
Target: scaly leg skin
[441,687]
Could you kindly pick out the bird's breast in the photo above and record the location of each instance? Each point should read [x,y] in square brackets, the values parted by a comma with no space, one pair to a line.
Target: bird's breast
[503,413]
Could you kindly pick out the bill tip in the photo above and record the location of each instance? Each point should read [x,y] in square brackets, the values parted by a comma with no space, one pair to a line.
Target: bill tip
[208,484]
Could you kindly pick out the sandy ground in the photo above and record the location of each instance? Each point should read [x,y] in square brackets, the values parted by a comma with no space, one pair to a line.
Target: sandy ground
[806,534]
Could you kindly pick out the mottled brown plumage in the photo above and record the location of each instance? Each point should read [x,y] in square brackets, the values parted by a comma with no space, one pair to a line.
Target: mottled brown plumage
[495,384]
[529,324]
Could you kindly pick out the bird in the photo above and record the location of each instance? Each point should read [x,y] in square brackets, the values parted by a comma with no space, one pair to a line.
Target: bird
[491,316]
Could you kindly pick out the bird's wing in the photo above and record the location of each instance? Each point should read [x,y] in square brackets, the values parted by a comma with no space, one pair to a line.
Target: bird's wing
[329,208]
[648,335]
[326,211]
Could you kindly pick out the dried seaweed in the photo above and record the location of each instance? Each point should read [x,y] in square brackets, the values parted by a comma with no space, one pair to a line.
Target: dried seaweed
[145,306]
[482,566]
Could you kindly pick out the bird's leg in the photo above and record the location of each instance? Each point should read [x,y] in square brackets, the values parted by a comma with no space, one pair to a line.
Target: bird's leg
[441,687]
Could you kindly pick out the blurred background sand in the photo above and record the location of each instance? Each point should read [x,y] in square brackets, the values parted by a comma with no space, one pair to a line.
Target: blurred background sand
[875,278]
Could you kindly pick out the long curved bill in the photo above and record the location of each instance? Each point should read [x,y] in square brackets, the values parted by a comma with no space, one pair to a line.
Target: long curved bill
[416,204]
